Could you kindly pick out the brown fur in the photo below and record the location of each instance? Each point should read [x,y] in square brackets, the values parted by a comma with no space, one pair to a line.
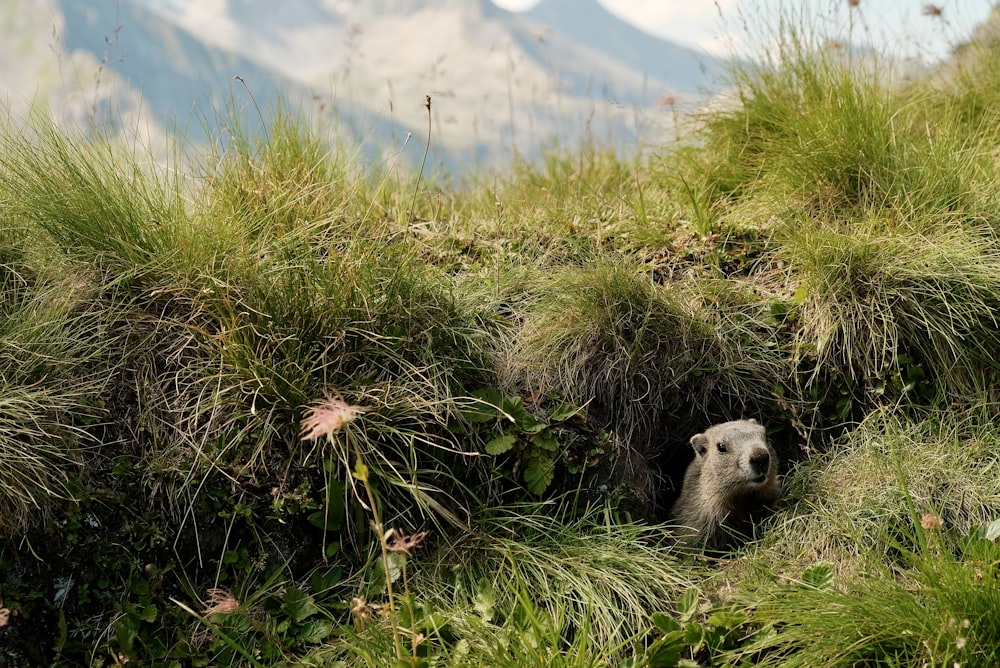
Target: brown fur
[733,477]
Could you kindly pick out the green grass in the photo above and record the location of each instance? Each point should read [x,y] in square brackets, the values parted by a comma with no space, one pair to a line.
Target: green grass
[95,202]
[940,611]
[881,305]
[526,347]
[59,344]
[890,535]
[858,141]
[606,335]
[528,589]
[854,504]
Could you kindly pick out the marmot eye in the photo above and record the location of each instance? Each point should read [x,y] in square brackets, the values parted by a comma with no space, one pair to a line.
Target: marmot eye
[721,447]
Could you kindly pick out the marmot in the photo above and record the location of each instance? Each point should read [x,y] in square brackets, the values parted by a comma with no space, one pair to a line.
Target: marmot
[733,477]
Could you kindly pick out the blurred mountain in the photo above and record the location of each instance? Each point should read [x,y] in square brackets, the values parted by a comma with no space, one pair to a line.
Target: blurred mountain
[587,22]
[501,83]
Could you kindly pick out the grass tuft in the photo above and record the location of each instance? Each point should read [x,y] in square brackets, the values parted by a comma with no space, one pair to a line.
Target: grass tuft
[97,204]
[634,352]
[855,506]
[886,305]
[59,351]
[530,589]
[940,611]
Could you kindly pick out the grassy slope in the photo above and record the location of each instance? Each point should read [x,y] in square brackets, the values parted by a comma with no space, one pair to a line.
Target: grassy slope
[530,355]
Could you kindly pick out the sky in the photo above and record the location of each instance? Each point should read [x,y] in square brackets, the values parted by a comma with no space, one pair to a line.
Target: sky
[900,27]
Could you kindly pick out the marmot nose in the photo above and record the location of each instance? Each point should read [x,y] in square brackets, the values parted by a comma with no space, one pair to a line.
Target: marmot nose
[760,461]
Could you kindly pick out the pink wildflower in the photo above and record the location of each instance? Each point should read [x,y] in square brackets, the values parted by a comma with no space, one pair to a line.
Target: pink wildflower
[327,416]
[221,600]
[398,541]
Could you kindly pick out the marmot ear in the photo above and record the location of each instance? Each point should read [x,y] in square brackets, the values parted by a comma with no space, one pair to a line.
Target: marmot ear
[752,421]
[700,443]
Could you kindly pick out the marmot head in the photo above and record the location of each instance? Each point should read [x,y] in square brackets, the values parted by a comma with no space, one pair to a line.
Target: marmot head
[735,458]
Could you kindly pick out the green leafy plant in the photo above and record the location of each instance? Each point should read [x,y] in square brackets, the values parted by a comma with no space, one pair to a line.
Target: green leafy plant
[697,633]
[532,442]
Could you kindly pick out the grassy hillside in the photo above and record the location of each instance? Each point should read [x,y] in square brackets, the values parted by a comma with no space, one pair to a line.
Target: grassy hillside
[274,407]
